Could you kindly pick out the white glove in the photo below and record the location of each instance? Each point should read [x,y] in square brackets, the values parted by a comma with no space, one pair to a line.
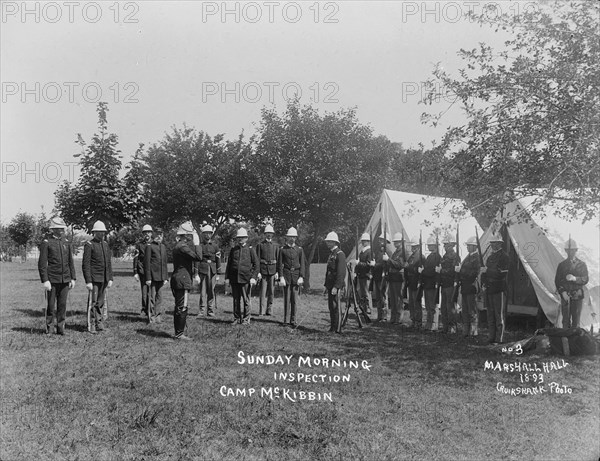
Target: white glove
[217,278]
[276,276]
[259,277]
[47,286]
[197,279]
[252,282]
[372,263]
[136,277]
[385,257]
[420,269]
[196,238]
[438,269]
[402,271]
[282,282]
[570,278]
[165,282]
[565,296]
[482,270]
[457,268]
[72,284]
[334,291]
[226,281]
[149,282]
[89,286]
[300,281]
[109,284]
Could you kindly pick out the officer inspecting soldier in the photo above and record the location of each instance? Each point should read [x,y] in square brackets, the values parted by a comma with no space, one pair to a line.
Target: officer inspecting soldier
[207,271]
[571,276]
[57,274]
[98,276]
[138,265]
[267,252]
[291,269]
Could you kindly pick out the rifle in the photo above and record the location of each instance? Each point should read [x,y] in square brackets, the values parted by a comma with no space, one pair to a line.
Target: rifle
[420,288]
[359,309]
[439,284]
[457,286]
[371,250]
[481,264]
[404,284]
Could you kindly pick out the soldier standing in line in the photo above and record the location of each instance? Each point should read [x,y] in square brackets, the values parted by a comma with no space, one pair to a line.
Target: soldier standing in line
[241,271]
[379,271]
[430,280]
[57,273]
[494,276]
[185,253]
[267,252]
[396,265]
[291,269]
[467,274]
[157,274]
[138,265]
[335,279]
[98,275]
[411,273]
[363,272]
[571,276]
[447,278]
[208,271]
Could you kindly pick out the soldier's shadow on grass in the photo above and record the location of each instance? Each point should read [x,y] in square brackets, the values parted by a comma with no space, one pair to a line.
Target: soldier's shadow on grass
[32,312]
[153,333]
[30,330]
[76,327]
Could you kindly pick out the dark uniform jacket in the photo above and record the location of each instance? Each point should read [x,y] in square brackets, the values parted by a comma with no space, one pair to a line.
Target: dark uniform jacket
[379,269]
[411,272]
[56,261]
[242,264]
[577,268]
[448,274]
[363,268]
[138,259]
[395,264]
[469,271]
[429,277]
[211,260]
[155,262]
[268,254]
[97,266]
[497,270]
[291,264]
[335,277]
[184,255]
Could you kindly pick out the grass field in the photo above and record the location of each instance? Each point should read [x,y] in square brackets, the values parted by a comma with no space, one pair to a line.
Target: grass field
[133,393]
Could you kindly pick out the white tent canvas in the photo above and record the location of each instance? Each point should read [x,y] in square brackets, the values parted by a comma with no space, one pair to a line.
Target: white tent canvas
[538,239]
[414,213]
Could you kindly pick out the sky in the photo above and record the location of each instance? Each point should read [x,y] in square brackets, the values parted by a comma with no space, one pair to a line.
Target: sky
[212,66]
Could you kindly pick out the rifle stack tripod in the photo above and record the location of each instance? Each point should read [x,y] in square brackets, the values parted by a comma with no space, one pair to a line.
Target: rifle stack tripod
[352,297]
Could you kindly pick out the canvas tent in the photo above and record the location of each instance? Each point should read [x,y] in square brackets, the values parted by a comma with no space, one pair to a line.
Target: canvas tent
[535,242]
[414,213]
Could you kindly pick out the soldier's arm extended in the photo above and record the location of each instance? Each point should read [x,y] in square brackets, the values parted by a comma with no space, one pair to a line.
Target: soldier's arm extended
[43,261]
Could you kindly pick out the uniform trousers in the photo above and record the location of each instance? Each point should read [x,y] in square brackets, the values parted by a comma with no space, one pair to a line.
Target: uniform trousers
[469,312]
[496,316]
[155,299]
[447,309]
[380,294]
[207,293]
[362,288]
[180,311]
[145,291]
[396,302]
[241,295]
[335,312]
[430,295]
[96,300]
[290,302]
[416,311]
[56,306]
[571,312]
[267,285]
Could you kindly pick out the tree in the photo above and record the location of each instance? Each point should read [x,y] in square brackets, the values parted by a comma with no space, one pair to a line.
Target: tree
[192,176]
[325,171]
[21,230]
[99,194]
[8,247]
[533,110]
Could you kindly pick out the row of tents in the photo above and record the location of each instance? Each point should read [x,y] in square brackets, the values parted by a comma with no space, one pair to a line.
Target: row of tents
[534,240]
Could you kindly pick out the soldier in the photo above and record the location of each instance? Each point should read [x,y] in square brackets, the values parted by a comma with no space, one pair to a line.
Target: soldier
[447,278]
[185,253]
[156,274]
[268,254]
[208,271]
[291,269]
[363,272]
[335,278]
[430,279]
[138,265]
[241,271]
[395,266]
[379,271]
[571,276]
[467,273]
[57,273]
[97,272]
[494,276]
[411,274]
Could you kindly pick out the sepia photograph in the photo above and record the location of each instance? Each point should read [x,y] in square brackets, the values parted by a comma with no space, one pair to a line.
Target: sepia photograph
[300,230]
